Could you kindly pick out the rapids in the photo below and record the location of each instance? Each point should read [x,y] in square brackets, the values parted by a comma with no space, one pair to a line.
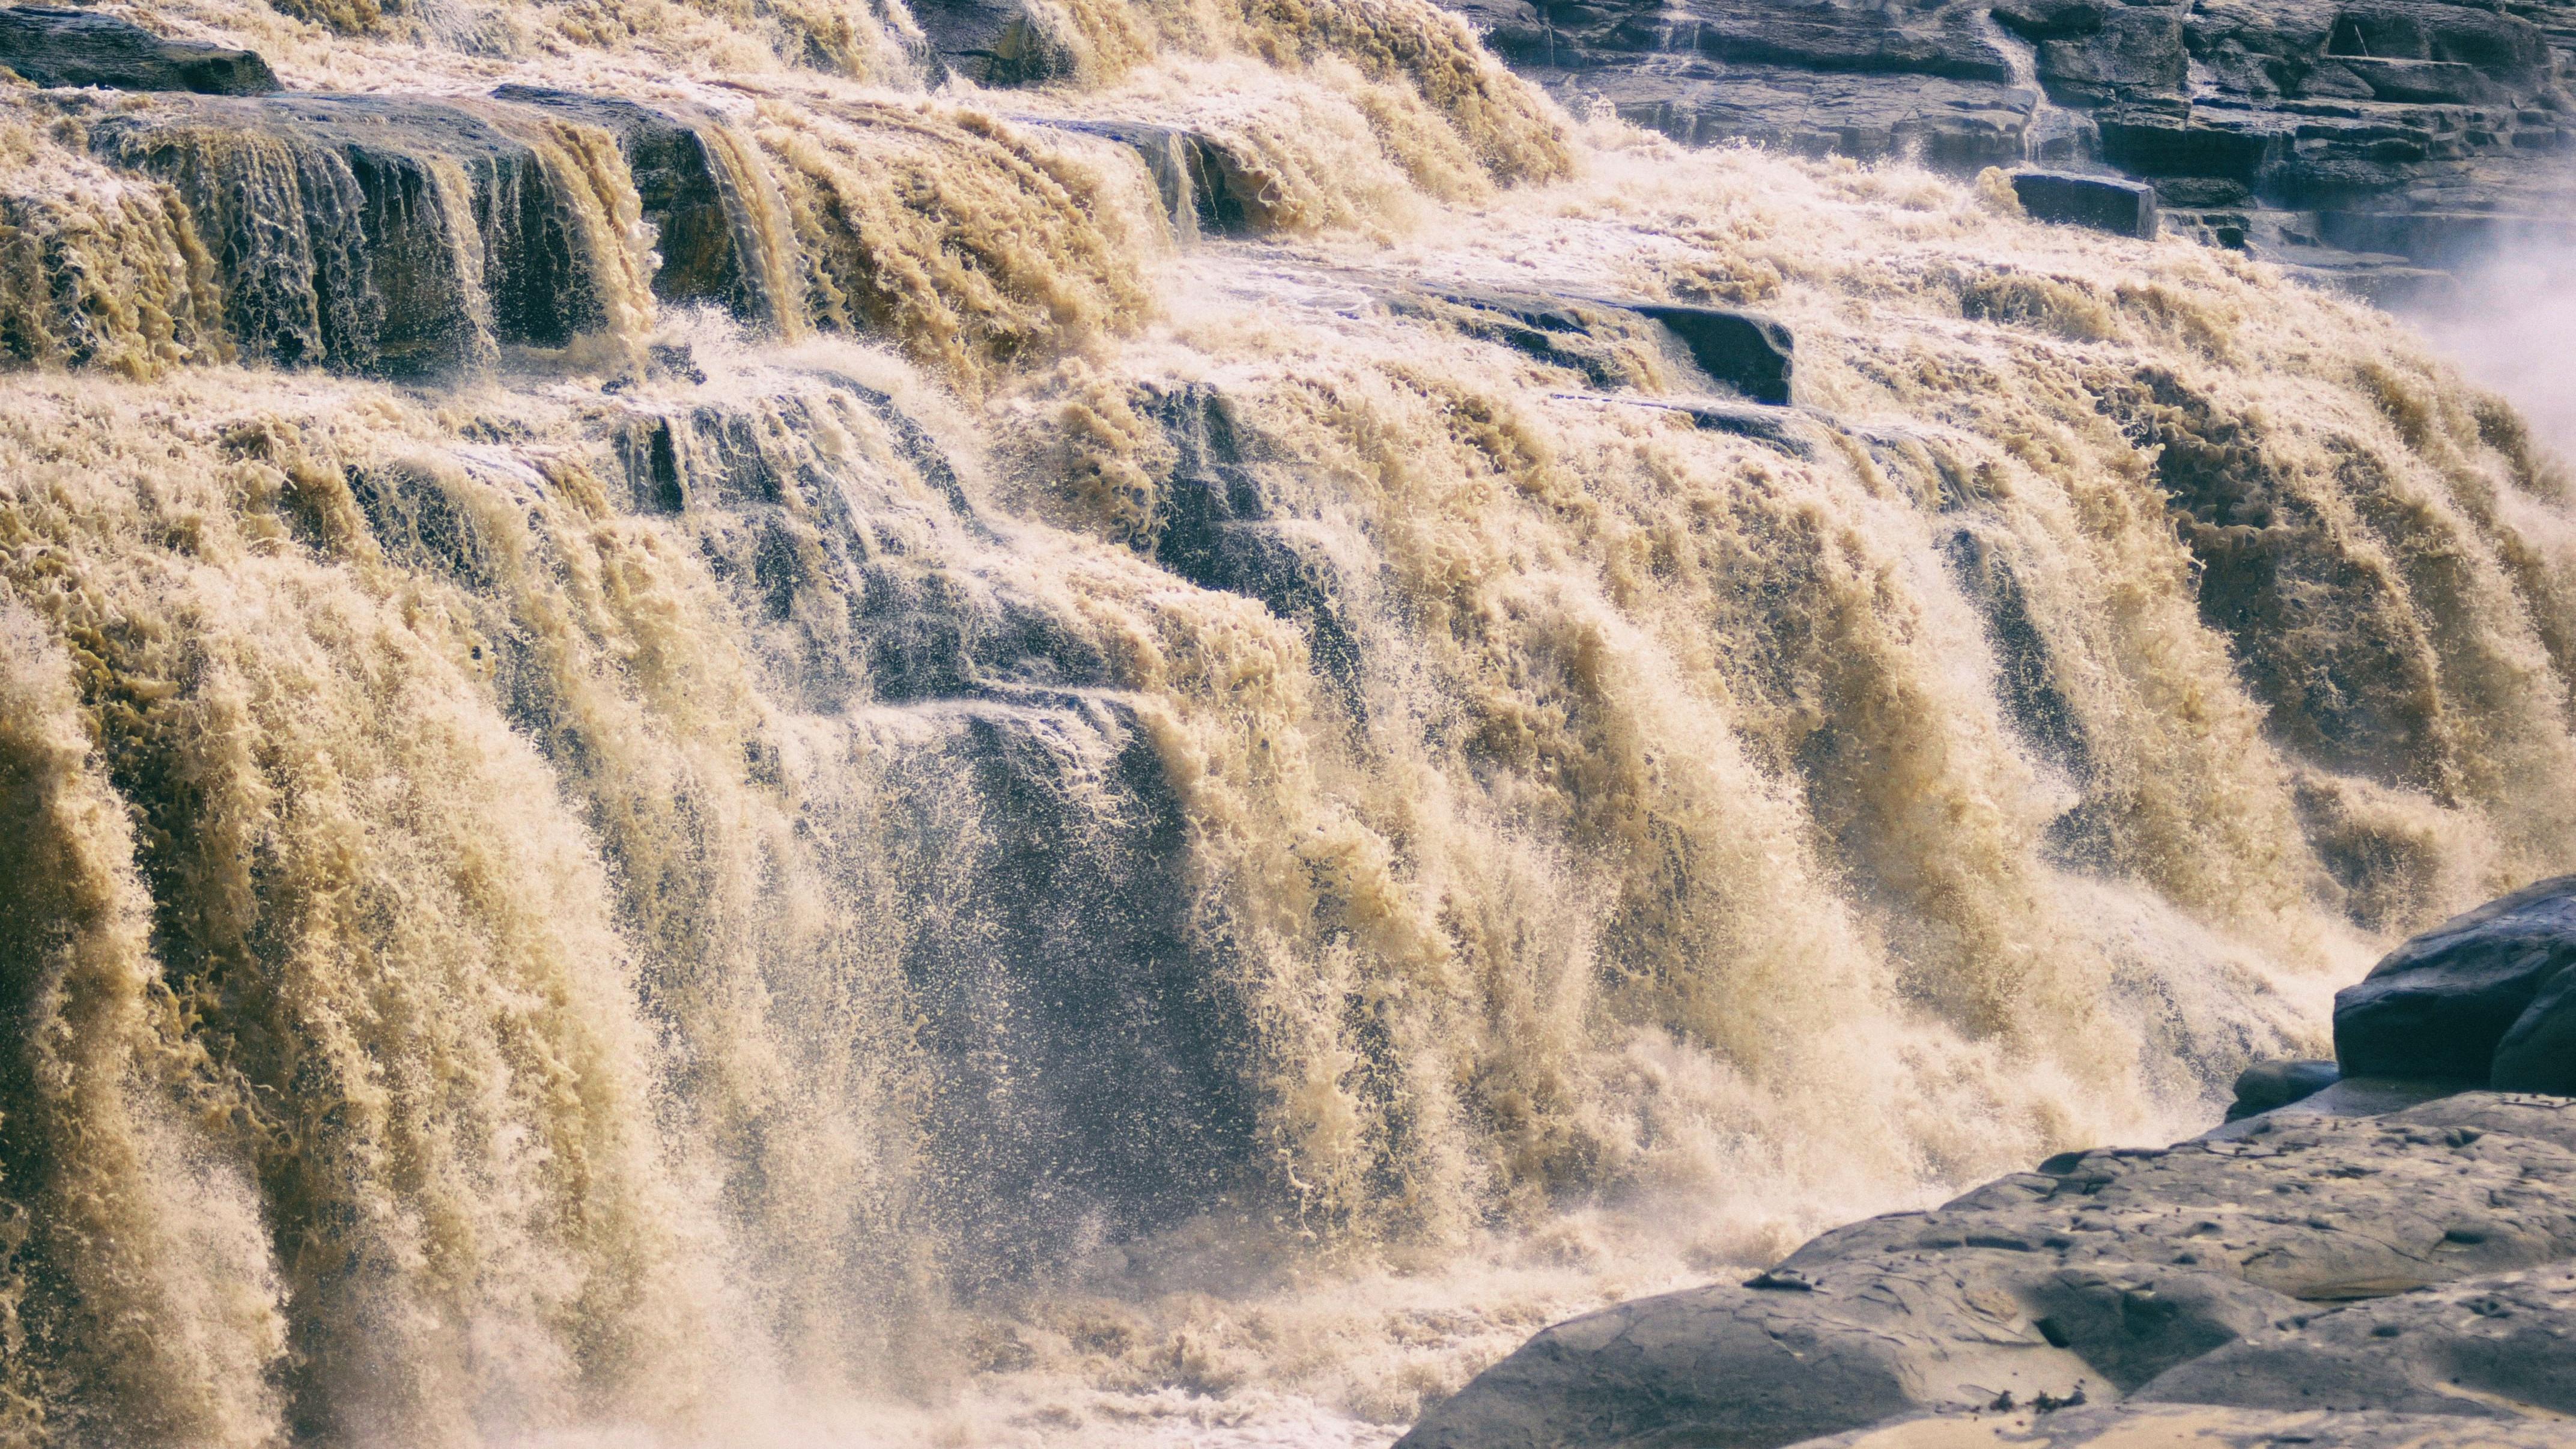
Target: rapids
[707,741]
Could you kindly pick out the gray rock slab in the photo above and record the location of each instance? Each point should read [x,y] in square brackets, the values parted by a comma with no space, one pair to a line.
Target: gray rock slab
[2317,1208]
[2500,1347]
[2103,203]
[1788,1355]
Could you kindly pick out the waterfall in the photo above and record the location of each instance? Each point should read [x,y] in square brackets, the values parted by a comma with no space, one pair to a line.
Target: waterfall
[710,738]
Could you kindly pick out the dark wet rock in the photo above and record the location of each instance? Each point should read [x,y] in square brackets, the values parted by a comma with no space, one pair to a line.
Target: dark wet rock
[1220,529]
[850,578]
[2106,1270]
[1609,344]
[2137,51]
[2441,1004]
[341,243]
[2103,203]
[51,46]
[2344,674]
[1078,1032]
[1608,341]
[2539,1053]
[2025,672]
[1204,189]
[1776,427]
[2502,1347]
[2267,1086]
[682,190]
[1746,351]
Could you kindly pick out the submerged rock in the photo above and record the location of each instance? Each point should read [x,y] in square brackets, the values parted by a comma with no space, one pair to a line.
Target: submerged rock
[51,46]
[2446,1003]
[1203,187]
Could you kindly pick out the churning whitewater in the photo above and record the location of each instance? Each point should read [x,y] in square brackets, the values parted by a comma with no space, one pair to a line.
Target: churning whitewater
[707,742]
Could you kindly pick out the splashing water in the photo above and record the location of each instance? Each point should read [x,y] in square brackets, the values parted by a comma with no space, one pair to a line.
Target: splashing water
[705,745]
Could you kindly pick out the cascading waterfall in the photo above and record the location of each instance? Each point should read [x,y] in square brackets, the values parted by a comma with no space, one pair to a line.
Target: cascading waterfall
[707,744]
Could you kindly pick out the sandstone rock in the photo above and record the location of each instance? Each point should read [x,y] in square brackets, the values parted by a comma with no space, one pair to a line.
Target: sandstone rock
[2268,1085]
[2439,1005]
[2500,1347]
[60,47]
[2123,208]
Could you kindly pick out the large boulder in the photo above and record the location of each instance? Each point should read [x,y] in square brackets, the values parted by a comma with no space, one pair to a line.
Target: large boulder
[2443,1003]
[2538,1054]
[51,46]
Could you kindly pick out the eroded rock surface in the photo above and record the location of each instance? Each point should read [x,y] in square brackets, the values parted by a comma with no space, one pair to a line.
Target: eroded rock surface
[2222,1263]
[2500,1347]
